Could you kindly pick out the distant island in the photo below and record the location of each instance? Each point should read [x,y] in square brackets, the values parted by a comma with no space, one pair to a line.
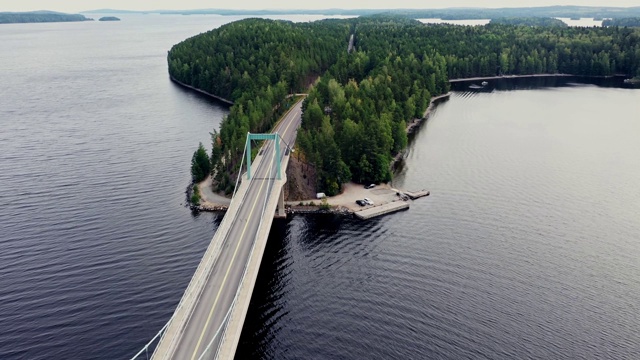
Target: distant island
[575,12]
[630,22]
[109,18]
[39,17]
[529,21]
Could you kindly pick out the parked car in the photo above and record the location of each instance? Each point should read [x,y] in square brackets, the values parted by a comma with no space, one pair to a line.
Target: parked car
[361,202]
[370,186]
[368,201]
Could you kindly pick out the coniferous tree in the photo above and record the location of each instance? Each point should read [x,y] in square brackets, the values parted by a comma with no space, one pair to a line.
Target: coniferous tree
[200,164]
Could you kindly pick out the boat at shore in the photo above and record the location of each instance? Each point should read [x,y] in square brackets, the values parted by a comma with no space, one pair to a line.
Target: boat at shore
[478,87]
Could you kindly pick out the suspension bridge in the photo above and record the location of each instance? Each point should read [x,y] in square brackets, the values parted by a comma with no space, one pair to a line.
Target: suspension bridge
[208,321]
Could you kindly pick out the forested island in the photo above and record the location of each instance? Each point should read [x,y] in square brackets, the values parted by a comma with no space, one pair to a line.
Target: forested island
[355,116]
[39,17]
[529,21]
[109,18]
[632,22]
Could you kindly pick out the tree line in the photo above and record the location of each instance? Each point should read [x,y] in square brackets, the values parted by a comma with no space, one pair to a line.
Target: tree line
[355,116]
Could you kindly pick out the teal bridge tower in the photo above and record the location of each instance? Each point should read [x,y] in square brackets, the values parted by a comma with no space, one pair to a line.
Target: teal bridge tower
[274,137]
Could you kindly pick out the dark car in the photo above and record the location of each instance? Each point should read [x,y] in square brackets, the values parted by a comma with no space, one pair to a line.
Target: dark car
[361,202]
[370,186]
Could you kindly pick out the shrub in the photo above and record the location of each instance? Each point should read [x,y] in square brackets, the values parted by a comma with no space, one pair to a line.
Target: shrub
[195,196]
[324,205]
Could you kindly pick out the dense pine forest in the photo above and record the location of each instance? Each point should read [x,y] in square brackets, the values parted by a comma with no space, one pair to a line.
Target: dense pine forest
[355,116]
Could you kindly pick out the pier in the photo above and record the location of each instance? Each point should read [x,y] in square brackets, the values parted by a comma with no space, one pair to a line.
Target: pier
[378,210]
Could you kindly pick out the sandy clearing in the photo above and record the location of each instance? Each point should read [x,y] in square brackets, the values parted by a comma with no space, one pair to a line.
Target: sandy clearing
[209,198]
[381,194]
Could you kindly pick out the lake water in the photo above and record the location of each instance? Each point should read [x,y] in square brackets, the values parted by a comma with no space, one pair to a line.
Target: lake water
[474,22]
[589,22]
[527,248]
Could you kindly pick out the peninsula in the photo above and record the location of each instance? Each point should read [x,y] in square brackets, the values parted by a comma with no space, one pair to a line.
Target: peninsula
[356,114]
[39,17]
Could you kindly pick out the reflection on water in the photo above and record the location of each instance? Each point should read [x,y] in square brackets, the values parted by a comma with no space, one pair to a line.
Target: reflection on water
[509,83]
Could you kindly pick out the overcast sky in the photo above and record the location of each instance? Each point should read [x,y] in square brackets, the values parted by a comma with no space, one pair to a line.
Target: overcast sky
[83,5]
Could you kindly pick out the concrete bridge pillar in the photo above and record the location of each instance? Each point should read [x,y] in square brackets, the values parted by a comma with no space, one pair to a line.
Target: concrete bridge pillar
[281,213]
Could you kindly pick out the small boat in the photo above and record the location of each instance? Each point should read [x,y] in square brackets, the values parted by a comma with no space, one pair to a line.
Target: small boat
[484,83]
[475,87]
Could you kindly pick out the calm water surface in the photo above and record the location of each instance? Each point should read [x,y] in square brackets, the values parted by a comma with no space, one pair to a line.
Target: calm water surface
[473,22]
[527,248]
[589,22]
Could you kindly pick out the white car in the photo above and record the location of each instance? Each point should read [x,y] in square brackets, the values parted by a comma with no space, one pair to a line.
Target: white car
[368,201]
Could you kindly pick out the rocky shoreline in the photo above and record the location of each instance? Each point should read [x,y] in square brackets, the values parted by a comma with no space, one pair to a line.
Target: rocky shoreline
[415,124]
[221,99]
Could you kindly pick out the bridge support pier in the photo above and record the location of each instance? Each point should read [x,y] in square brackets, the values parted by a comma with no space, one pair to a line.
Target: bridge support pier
[281,211]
